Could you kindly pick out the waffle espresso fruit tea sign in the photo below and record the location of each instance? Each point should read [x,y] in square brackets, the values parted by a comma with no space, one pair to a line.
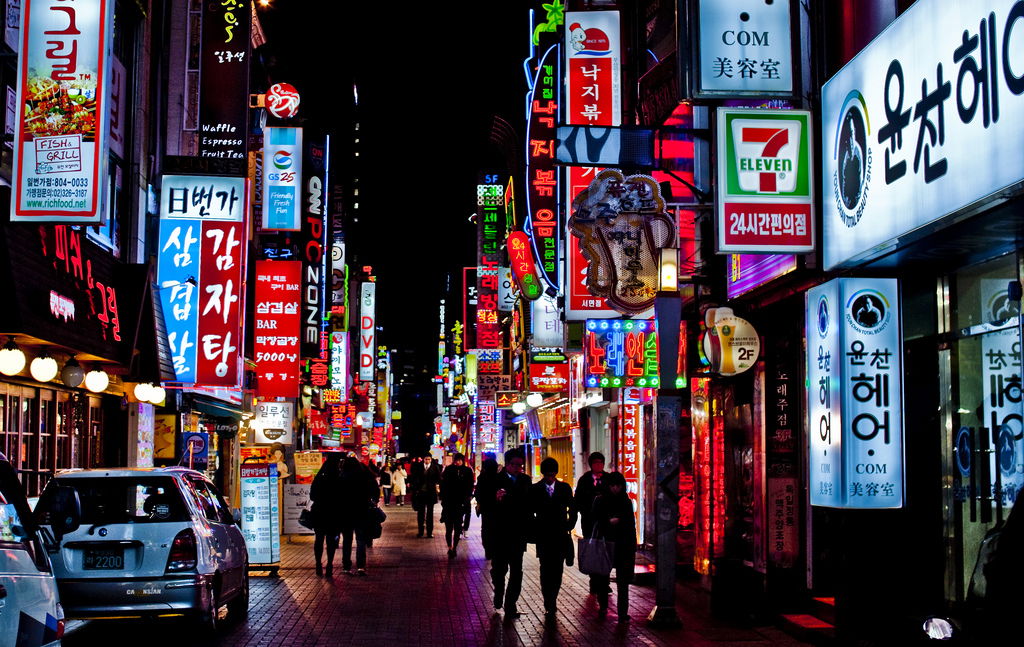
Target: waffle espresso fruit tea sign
[60,149]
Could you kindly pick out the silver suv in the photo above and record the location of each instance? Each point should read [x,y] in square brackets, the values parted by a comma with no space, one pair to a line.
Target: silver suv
[152,542]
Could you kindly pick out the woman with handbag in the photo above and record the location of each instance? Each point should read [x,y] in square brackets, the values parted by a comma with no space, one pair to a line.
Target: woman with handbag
[614,521]
[325,493]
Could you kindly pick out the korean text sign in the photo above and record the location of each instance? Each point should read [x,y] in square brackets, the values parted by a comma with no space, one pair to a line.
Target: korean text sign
[924,122]
[541,172]
[621,352]
[276,334]
[60,149]
[367,331]
[224,80]
[282,177]
[200,274]
[549,378]
[273,422]
[854,368]
[260,513]
[766,181]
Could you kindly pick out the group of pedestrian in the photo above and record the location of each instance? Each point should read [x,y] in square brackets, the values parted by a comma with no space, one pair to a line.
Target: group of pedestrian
[516,512]
[345,495]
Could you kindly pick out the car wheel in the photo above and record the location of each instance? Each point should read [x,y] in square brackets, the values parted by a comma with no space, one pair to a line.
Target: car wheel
[238,608]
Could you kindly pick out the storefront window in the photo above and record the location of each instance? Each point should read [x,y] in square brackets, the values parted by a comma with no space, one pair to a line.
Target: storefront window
[986,453]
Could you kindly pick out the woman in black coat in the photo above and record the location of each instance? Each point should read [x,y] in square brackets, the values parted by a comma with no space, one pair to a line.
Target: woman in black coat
[359,493]
[325,493]
[456,491]
[613,514]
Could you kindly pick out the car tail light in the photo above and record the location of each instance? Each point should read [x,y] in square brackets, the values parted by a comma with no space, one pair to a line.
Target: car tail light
[183,555]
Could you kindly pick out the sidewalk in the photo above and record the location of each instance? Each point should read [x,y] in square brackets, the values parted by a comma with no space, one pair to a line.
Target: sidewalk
[415,596]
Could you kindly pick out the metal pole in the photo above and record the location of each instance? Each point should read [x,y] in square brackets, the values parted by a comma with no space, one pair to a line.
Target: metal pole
[668,311]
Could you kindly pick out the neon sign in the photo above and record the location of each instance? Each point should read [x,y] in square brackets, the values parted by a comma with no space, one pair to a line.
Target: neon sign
[621,352]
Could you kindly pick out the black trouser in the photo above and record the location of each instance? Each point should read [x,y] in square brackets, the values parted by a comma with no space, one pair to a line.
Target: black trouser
[623,576]
[551,563]
[425,517]
[505,560]
[318,546]
[468,512]
[452,532]
[346,548]
[387,495]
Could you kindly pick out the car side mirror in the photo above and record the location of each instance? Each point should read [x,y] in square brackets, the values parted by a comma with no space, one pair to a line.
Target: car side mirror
[236,514]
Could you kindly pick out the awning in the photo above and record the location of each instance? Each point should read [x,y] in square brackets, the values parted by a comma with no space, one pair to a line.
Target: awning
[216,408]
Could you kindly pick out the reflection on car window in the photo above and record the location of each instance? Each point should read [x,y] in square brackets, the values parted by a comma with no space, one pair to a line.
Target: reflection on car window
[14,512]
[129,499]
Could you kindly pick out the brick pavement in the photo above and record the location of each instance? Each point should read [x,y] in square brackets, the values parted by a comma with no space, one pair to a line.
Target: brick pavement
[415,596]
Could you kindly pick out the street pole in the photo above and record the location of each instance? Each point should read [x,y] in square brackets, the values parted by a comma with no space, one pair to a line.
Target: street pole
[668,313]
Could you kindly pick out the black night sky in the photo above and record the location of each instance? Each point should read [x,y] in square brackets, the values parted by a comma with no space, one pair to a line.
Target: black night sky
[431,77]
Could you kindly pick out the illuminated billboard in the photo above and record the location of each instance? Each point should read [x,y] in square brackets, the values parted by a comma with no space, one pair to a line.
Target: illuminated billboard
[621,352]
[60,139]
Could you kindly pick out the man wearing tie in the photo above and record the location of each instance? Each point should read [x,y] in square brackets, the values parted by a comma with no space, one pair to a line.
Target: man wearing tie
[554,516]
[589,486]
[503,503]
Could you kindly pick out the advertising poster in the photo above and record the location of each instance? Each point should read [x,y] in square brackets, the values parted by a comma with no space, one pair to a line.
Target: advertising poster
[276,335]
[164,434]
[541,173]
[295,500]
[307,464]
[199,275]
[142,423]
[766,192]
[195,450]
[60,151]
[260,514]
[282,175]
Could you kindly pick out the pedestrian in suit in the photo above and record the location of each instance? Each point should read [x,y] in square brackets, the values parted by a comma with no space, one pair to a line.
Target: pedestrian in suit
[359,493]
[589,486]
[554,517]
[456,491]
[613,514]
[503,504]
[325,493]
[425,482]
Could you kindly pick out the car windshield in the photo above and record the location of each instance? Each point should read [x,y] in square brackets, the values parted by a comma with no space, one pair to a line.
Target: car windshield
[13,509]
[122,499]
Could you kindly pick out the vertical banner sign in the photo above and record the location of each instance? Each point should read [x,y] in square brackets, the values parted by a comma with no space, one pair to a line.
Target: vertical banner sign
[823,397]
[367,331]
[282,175]
[60,150]
[224,80]
[276,335]
[314,245]
[469,304]
[545,323]
[339,364]
[782,428]
[199,271]
[260,512]
[593,97]
[766,192]
[865,367]
[523,268]
[541,172]
[632,455]
[490,200]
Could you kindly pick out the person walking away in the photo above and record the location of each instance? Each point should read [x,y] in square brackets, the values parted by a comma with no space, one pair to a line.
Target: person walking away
[554,517]
[424,496]
[486,486]
[385,485]
[359,493]
[506,513]
[398,478]
[456,491]
[587,488]
[613,515]
[325,493]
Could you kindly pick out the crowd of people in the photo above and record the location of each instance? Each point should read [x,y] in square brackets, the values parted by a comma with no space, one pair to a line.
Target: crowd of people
[513,511]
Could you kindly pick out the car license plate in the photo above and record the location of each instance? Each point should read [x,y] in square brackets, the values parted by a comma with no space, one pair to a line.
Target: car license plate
[94,559]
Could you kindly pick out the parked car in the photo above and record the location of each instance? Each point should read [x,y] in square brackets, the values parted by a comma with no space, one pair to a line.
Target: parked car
[30,611]
[152,542]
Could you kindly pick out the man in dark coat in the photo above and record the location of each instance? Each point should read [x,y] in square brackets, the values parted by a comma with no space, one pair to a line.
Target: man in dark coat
[486,486]
[359,492]
[554,516]
[589,486]
[503,504]
[456,491]
[425,482]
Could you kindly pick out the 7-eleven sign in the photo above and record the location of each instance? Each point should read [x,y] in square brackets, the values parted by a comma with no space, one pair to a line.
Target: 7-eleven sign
[765,175]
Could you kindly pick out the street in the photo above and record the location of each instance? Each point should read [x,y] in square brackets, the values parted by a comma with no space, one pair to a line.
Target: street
[415,596]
